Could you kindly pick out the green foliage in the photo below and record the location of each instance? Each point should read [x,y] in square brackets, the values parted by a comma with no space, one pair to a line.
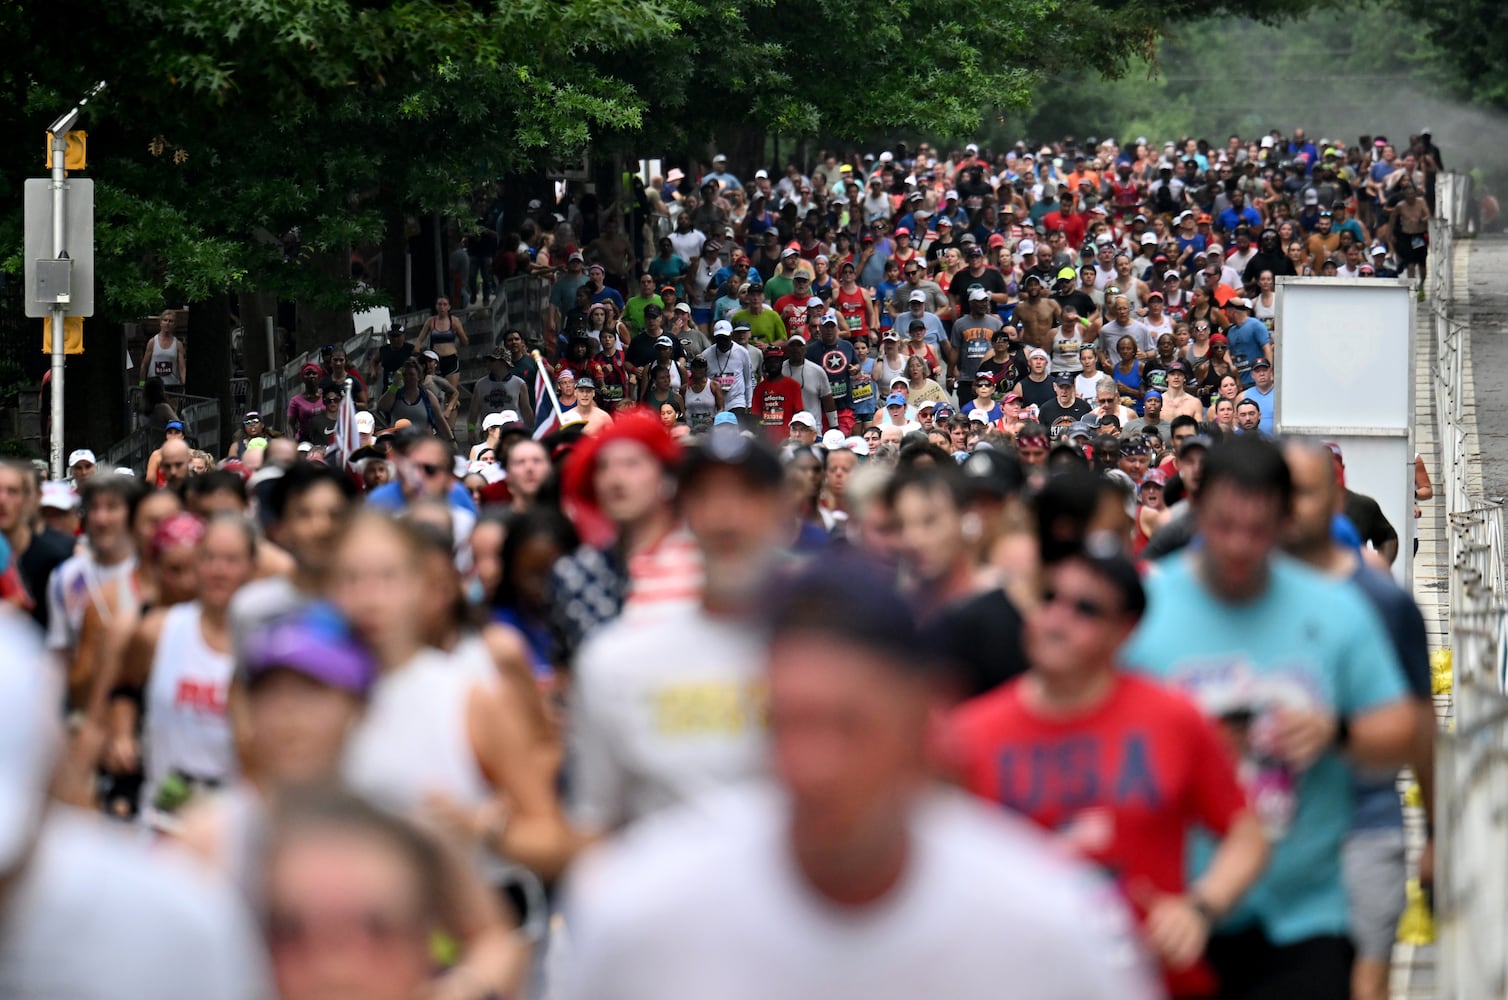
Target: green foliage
[1469,35]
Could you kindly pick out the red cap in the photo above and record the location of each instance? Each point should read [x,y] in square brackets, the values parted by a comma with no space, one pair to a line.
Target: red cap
[1220,338]
[996,240]
[903,231]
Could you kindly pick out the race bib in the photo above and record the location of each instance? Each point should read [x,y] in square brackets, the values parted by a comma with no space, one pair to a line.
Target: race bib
[774,412]
[162,369]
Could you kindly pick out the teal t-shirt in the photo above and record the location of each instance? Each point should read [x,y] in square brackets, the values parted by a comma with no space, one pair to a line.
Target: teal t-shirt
[1308,642]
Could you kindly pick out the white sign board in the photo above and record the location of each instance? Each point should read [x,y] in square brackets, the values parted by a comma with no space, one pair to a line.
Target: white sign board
[1345,373]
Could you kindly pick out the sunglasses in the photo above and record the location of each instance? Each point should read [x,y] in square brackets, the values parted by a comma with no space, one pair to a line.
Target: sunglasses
[430,468]
[1081,606]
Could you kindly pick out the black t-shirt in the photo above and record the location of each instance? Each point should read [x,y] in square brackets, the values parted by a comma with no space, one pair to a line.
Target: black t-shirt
[1081,303]
[1058,418]
[1371,523]
[391,359]
[964,283]
[1008,372]
[980,642]
[48,549]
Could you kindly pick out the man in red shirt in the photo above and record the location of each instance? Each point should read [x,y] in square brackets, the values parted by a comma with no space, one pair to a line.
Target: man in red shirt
[792,306]
[1066,219]
[777,397]
[1118,766]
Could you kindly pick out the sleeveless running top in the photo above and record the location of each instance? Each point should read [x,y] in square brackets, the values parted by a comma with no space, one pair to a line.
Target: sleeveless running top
[446,336]
[852,312]
[884,374]
[1267,314]
[701,407]
[413,740]
[162,362]
[185,729]
[416,411]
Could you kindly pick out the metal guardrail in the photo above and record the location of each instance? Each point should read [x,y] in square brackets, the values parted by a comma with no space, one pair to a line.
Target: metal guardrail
[1471,815]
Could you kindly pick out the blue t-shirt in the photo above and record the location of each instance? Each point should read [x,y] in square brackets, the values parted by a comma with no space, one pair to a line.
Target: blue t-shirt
[1306,642]
[610,294]
[1377,804]
[389,496]
[1246,343]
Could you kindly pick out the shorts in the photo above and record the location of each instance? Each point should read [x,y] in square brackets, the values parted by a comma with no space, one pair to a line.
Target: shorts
[846,422]
[1413,254]
[1250,967]
[1373,870]
[701,316]
[450,364]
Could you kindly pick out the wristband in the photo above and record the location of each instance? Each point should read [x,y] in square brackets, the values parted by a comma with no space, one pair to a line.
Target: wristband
[1205,910]
[1342,731]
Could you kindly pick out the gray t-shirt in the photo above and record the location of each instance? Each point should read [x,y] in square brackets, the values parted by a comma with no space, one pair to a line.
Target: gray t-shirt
[500,394]
[1113,331]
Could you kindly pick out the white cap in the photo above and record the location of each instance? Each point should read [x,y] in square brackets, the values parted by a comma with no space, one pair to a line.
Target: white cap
[31,733]
[81,455]
[1103,239]
[831,316]
[972,147]
[1026,246]
[795,338]
[1378,248]
[722,328]
[306,447]
[979,416]
[814,303]
[951,196]
[917,295]
[1267,142]
[492,420]
[761,175]
[1171,274]
[124,470]
[858,446]
[719,158]
[1311,197]
[458,467]
[834,440]
[979,295]
[59,496]
[804,418]
[926,404]
[365,422]
[887,156]
[1149,239]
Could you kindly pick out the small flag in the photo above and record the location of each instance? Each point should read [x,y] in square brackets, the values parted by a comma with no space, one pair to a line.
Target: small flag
[347,438]
[546,420]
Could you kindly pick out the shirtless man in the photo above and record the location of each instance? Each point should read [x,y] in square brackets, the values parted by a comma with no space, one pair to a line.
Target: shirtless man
[587,411]
[1410,219]
[1175,401]
[615,251]
[1037,314]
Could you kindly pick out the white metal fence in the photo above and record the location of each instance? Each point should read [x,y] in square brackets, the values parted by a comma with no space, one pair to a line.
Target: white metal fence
[1471,815]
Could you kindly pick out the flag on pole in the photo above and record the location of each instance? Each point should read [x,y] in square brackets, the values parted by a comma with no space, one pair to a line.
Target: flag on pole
[347,438]
[546,421]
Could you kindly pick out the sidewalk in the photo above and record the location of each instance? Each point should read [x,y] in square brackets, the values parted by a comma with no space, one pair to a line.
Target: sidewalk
[1414,966]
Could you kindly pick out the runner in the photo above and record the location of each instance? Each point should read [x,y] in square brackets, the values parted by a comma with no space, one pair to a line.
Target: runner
[1299,673]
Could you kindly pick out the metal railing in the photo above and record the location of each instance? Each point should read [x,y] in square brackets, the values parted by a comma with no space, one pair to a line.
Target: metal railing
[1471,814]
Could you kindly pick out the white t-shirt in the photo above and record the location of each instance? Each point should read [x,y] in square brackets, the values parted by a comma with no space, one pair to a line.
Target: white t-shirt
[77,583]
[731,372]
[814,386]
[708,902]
[99,916]
[664,710]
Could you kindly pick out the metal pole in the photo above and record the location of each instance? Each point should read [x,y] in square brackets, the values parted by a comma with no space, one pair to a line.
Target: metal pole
[59,206]
[272,357]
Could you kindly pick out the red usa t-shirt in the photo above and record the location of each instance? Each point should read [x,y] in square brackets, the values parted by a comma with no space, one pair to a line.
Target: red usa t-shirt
[776,401]
[1120,785]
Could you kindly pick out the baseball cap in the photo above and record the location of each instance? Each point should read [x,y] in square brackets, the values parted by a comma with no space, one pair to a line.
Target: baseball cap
[795,338]
[1026,246]
[1149,239]
[895,399]
[730,449]
[81,455]
[664,341]
[574,255]
[1379,250]
[805,419]
[1154,477]
[975,251]
[917,295]
[1240,303]
[996,240]
[1197,441]
[814,302]
[431,356]
[1178,366]
[1261,363]
[174,425]
[725,419]
[979,295]
[684,307]
[834,440]
[31,733]
[722,328]
[788,252]
[979,416]
[945,221]
[1067,274]
[892,335]
[365,422]
[830,317]
[1062,378]
[1311,197]
[315,642]
[59,496]
[903,231]
[994,473]
[984,377]
[942,413]
[928,404]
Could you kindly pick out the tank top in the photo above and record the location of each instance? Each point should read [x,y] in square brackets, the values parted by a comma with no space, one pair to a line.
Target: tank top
[852,311]
[701,407]
[185,729]
[888,374]
[445,336]
[162,362]
[1267,314]
[417,411]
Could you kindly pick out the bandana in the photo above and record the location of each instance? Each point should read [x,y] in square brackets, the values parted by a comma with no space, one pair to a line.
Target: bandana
[179,530]
[1032,441]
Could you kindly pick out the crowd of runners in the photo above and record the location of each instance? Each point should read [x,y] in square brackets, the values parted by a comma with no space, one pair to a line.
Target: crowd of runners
[884,583]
